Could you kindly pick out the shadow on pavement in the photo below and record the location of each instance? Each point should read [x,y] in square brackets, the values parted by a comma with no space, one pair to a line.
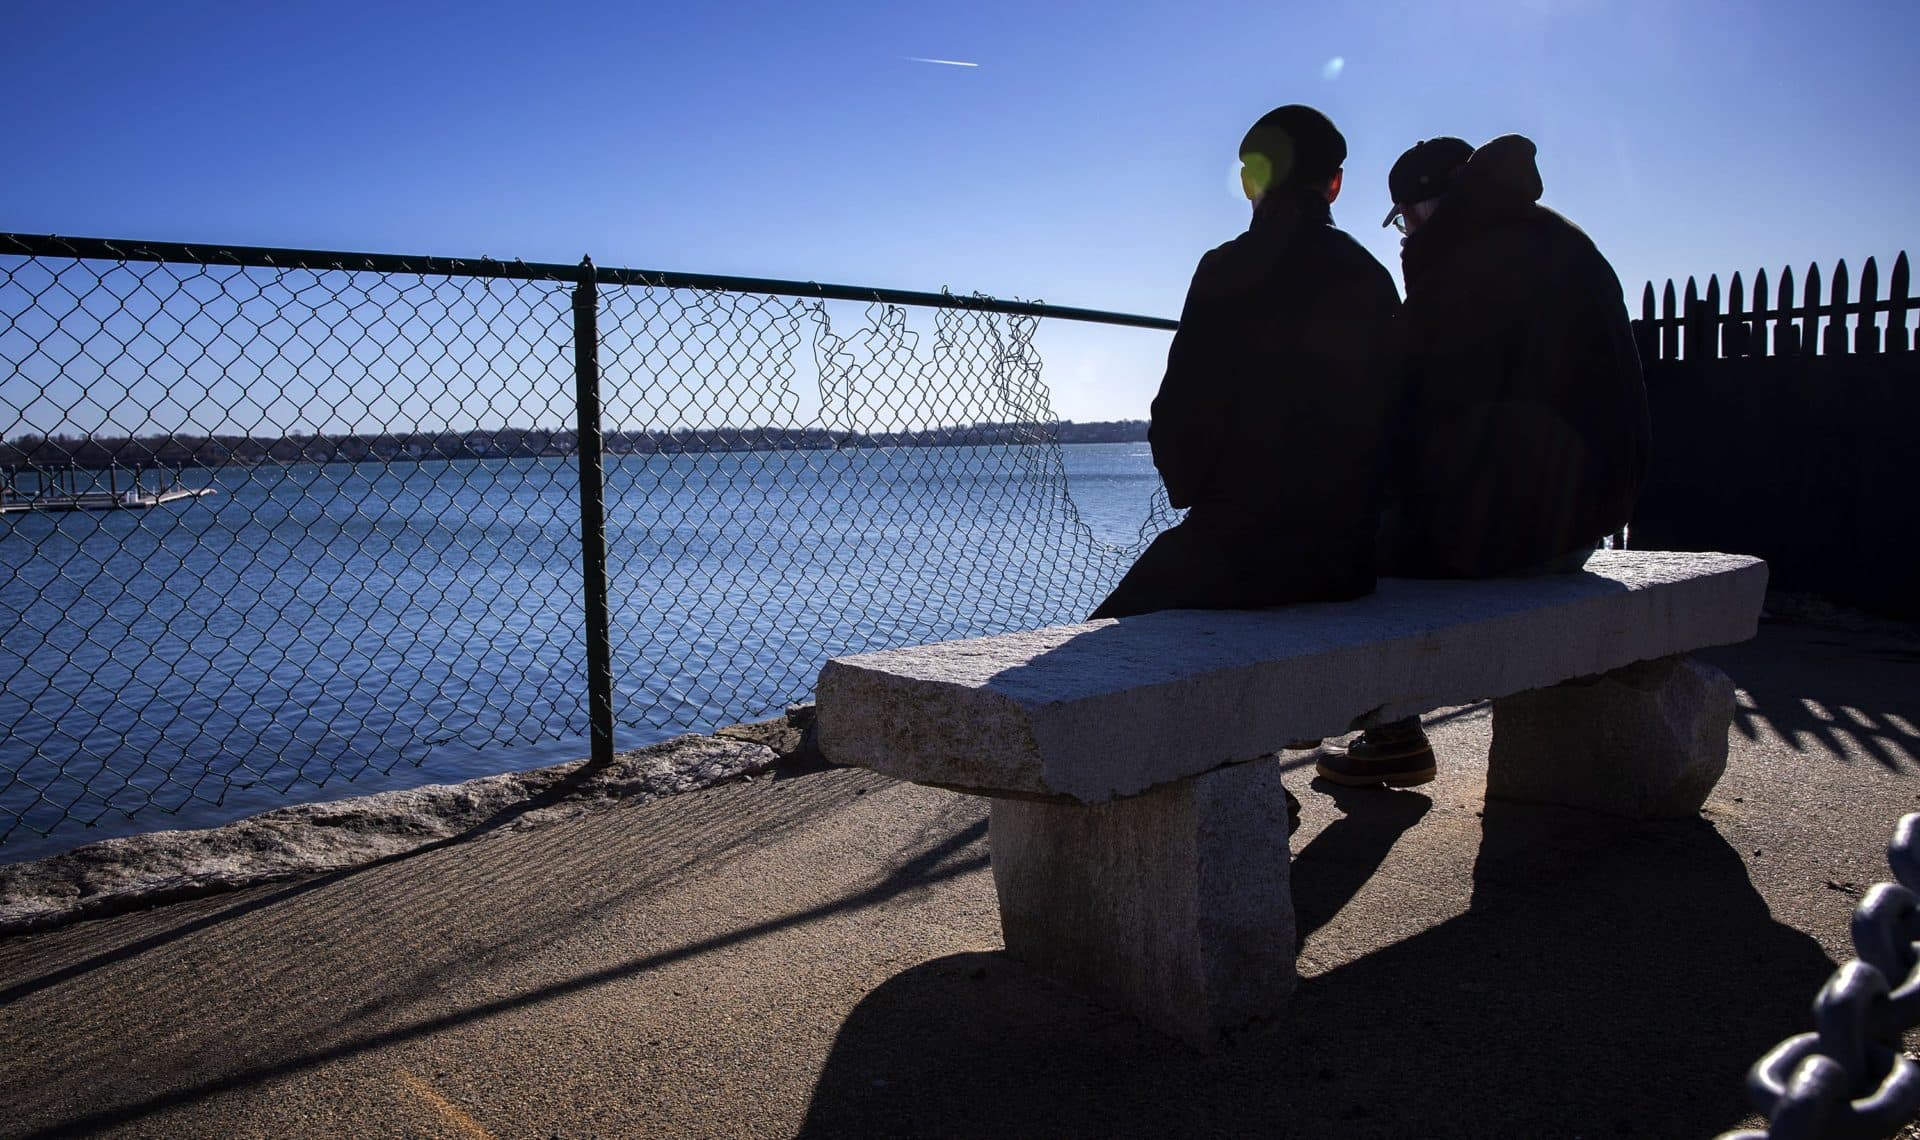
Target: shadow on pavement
[379,978]
[256,899]
[1826,692]
[1344,855]
[1609,978]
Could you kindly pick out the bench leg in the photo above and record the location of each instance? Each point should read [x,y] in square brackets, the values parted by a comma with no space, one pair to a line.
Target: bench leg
[1173,905]
[1648,741]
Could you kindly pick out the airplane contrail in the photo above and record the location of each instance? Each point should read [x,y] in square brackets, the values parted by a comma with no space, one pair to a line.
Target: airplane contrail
[942,62]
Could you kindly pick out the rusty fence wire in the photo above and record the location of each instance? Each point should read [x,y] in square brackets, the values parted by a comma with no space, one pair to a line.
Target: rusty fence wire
[271,519]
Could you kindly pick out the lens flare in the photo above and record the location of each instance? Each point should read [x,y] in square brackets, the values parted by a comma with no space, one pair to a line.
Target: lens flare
[1256,174]
[1331,70]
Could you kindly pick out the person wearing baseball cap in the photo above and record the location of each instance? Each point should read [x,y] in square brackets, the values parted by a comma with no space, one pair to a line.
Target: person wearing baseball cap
[1421,176]
[1271,417]
[1524,437]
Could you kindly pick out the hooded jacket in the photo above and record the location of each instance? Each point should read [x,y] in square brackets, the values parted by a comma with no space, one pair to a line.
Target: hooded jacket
[1279,391]
[1525,433]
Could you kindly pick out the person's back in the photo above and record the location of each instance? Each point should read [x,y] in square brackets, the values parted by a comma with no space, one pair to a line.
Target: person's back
[1276,399]
[1527,434]
[1269,421]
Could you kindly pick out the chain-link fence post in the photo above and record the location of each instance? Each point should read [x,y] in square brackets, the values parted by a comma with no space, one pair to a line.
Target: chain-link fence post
[279,517]
[593,515]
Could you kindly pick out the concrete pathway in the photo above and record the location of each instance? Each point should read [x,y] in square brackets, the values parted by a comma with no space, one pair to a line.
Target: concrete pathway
[818,955]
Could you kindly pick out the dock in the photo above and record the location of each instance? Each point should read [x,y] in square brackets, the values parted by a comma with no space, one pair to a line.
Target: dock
[100,500]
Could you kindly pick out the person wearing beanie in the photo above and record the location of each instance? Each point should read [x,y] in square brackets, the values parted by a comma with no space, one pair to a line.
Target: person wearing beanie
[1269,421]
[1524,438]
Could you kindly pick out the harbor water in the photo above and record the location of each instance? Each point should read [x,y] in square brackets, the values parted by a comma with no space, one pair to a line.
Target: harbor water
[315,631]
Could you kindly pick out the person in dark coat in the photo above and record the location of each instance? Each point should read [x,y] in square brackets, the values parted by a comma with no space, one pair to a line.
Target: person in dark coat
[1269,422]
[1524,438]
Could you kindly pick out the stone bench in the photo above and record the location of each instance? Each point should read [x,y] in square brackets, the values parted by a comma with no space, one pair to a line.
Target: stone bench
[1140,854]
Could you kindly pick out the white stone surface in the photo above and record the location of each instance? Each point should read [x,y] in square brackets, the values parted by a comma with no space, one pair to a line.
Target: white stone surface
[1648,741]
[1174,905]
[1106,709]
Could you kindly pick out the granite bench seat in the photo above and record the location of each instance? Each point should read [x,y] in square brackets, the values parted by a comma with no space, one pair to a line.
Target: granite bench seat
[1139,849]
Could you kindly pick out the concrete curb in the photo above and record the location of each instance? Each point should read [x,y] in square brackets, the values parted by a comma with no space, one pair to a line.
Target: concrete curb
[133,872]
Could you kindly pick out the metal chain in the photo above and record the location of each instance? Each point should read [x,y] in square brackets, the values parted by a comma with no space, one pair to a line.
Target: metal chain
[1850,1079]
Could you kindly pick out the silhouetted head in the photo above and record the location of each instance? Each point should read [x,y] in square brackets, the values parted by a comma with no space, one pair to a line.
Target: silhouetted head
[1292,149]
[1421,176]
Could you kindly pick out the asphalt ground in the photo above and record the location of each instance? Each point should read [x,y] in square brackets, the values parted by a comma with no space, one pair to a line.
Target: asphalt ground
[818,954]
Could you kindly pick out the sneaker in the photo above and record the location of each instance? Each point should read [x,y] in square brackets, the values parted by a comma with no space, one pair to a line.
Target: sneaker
[1398,759]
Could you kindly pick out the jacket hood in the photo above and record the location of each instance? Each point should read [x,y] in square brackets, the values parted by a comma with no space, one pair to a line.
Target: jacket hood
[1499,183]
[1504,169]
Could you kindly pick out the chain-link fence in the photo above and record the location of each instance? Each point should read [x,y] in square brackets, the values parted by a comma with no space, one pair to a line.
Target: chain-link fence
[276,518]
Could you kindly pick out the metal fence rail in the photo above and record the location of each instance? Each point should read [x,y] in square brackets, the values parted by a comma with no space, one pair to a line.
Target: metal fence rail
[440,503]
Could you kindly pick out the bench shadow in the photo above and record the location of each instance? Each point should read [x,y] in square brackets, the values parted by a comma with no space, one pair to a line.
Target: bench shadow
[1608,978]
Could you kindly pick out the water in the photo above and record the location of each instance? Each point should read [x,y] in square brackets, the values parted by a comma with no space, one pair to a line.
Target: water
[317,631]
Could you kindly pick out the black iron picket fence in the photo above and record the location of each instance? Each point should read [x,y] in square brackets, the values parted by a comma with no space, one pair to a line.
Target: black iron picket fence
[272,518]
[1781,415]
[1695,327]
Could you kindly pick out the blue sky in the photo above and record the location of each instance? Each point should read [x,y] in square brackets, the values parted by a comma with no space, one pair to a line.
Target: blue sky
[1085,161]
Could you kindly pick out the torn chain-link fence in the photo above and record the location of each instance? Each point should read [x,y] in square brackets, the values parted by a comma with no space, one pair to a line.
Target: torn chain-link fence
[273,519]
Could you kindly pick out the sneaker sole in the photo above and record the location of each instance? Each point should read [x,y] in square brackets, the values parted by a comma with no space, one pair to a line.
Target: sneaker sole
[1407,779]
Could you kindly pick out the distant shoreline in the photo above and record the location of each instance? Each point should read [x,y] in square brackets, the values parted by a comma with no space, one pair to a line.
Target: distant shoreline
[174,452]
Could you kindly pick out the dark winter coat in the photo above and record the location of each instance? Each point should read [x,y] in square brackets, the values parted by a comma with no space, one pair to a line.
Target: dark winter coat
[1276,400]
[1525,434]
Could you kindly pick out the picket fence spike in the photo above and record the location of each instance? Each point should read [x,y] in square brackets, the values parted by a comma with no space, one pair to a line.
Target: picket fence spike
[1897,298]
[1810,313]
[1669,324]
[1866,334]
[1836,336]
[1738,338]
[1786,334]
[1646,330]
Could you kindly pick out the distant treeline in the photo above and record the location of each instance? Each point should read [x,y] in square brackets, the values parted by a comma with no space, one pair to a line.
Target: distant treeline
[182,450]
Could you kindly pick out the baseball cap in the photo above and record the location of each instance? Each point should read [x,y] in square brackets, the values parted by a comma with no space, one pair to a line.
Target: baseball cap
[1292,144]
[1425,171]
